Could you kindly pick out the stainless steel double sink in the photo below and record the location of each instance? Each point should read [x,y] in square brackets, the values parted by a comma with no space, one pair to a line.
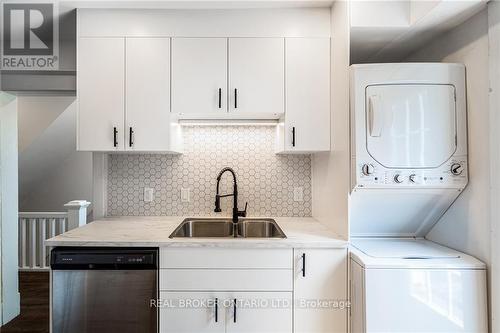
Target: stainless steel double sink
[225,228]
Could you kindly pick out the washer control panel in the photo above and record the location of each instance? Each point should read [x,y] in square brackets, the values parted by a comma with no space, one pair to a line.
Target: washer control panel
[453,173]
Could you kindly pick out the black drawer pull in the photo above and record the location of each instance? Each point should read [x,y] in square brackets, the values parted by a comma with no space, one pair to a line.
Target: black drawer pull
[235,98]
[216,310]
[130,137]
[303,265]
[220,98]
[234,310]
[293,136]
[115,137]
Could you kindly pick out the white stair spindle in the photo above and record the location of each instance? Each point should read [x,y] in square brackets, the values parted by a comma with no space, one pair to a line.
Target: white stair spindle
[32,243]
[53,227]
[64,225]
[23,262]
[43,230]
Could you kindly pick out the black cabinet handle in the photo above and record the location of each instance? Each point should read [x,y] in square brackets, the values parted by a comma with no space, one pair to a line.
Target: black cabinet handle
[216,310]
[130,137]
[115,137]
[293,136]
[220,98]
[303,265]
[234,310]
[235,98]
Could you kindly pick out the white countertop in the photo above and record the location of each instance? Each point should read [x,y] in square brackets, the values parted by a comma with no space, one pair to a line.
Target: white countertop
[154,231]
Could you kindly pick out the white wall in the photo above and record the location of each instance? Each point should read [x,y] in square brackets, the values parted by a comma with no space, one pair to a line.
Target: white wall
[36,113]
[9,296]
[466,225]
[330,171]
[51,171]
[494,65]
[71,180]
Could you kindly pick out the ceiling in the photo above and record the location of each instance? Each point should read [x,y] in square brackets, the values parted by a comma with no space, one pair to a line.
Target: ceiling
[389,31]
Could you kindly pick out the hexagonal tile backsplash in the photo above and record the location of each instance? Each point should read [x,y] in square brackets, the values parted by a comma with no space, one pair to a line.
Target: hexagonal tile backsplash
[265,180]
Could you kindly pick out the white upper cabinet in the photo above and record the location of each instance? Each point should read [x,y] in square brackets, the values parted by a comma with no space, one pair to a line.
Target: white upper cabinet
[306,126]
[124,95]
[147,91]
[201,68]
[256,76]
[100,90]
[199,76]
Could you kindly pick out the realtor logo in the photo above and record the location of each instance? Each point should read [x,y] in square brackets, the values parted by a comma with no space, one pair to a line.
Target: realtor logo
[29,36]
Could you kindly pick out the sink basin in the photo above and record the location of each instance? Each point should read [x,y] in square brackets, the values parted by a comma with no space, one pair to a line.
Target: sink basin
[224,228]
[259,228]
[204,228]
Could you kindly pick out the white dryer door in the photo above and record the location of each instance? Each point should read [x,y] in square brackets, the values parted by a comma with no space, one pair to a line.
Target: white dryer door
[411,126]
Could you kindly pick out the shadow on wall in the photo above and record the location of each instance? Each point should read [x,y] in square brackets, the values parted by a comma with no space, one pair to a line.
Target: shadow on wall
[465,226]
[51,171]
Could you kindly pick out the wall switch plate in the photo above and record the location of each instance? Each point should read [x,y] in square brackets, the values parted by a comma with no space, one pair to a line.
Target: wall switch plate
[148,194]
[298,194]
[185,195]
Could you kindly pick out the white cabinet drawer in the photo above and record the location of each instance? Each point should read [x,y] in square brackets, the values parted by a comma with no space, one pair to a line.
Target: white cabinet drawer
[226,279]
[230,312]
[226,258]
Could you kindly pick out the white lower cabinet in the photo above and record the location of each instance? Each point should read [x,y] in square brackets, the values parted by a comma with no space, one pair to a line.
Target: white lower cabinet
[261,312]
[208,290]
[231,312]
[191,312]
[320,291]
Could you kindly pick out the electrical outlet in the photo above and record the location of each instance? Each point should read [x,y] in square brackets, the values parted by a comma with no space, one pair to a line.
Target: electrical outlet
[185,195]
[298,194]
[148,194]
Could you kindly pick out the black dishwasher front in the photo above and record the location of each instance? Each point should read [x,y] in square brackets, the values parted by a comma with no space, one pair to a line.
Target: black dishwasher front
[97,290]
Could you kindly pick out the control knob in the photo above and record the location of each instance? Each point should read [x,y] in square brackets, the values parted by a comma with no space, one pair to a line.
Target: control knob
[398,178]
[413,178]
[456,169]
[367,169]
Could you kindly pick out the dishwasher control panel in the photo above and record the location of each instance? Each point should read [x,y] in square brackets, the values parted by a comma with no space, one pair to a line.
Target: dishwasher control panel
[95,258]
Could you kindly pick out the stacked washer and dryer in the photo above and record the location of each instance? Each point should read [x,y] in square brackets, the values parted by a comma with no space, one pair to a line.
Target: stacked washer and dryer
[409,164]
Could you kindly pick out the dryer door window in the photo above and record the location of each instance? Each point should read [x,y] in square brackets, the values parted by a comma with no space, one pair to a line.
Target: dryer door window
[411,126]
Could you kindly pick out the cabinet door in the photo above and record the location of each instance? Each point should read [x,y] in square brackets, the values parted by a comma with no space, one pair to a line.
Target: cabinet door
[259,312]
[200,312]
[147,111]
[100,90]
[320,274]
[199,75]
[256,75]
[307,118]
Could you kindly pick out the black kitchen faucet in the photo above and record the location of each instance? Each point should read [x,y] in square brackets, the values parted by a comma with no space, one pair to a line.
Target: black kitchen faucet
[236,212]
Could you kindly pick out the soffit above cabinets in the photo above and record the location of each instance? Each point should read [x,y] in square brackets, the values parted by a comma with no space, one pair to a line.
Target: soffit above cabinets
[389,31]
[272,22]
[200,4]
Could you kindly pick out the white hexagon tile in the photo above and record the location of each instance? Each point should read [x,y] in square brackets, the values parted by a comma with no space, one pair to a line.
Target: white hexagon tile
[265,180]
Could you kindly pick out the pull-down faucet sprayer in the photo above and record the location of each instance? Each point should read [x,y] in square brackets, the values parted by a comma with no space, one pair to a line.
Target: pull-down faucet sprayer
[236,212]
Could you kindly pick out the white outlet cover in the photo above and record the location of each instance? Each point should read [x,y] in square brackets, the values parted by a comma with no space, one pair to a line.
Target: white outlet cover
[148,194]
[185,195]
[298,194]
